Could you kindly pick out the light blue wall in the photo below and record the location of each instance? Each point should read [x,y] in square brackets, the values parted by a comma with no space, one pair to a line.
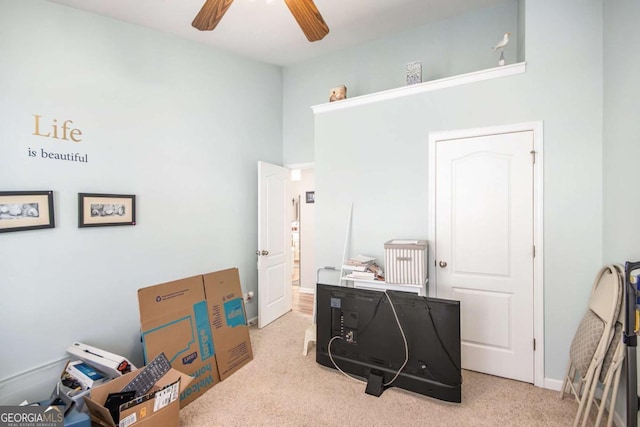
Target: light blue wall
[621,131]
[375,156]
[450,47]
[621,138]
[178,124]
[522,31]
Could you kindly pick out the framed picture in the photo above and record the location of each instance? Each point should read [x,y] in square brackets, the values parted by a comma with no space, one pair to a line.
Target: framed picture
[26,210]
[98,210]
[311,196]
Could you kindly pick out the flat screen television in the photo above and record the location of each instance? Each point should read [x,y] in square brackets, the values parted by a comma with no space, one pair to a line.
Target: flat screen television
[358,334]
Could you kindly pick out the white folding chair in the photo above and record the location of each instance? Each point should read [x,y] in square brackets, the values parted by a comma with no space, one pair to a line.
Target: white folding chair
[592,338]
[610,372]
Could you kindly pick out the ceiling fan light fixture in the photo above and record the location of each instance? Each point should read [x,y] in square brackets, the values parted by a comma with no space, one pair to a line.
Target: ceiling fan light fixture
[304,11]
[210,14]
[309,19]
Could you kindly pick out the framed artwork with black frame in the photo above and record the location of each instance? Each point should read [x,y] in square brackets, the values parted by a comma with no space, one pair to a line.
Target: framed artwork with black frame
[311,196]
[100,210]
[26,210]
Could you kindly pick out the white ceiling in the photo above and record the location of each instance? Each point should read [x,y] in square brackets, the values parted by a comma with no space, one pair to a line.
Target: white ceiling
[266,31]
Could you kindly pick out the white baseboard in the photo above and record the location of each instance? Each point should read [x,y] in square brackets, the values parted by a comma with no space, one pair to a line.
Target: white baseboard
[307,290]
[253,321]
[33,385]
[552,384]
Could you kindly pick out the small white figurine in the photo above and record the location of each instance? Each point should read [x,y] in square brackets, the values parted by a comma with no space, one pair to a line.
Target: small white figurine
[501,44]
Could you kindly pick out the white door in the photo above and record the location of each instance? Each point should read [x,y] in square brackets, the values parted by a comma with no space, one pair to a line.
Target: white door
[274,246]
[484,248]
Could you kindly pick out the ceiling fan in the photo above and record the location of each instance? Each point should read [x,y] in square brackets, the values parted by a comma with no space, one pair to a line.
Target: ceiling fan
[305,12]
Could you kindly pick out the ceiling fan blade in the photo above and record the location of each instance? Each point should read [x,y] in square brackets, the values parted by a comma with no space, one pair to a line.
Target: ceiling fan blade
[210,14]
[309,19]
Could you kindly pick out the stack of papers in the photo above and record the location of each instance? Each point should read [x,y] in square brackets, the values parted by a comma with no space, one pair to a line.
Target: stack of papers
[358,263]
[366,275]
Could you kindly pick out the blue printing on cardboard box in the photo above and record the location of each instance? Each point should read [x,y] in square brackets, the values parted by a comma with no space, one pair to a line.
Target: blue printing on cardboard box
[185,346]
[205,338]
[233,313]
[204,329]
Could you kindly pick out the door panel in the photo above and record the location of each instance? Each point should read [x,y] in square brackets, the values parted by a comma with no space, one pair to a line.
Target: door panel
[484,238]
[470,210]
[275,292]
[492,331]
[274,228]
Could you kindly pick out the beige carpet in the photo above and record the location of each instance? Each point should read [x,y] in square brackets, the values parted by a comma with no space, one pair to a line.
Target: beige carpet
[281,387]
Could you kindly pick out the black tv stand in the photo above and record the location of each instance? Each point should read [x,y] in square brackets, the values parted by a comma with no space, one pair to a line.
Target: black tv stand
[374,384]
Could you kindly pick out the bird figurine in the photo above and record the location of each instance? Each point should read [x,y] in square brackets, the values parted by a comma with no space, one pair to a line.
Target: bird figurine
[501,44]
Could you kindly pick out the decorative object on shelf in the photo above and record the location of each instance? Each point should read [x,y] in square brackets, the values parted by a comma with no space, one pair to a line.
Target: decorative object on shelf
[311,196]
[26,210]
[97,210]
[338,93]
[414,72]
[406,261]
[500,46]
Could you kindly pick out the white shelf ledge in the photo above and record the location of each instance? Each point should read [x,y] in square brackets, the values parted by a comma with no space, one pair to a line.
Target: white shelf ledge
[459,80]
[380,285]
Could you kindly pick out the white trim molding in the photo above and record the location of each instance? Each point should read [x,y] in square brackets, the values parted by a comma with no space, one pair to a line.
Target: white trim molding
[32,384]
[459,80]
[538,211]
[307,165]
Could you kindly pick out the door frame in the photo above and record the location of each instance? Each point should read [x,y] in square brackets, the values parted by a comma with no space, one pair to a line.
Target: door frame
[538,216]
[309,258]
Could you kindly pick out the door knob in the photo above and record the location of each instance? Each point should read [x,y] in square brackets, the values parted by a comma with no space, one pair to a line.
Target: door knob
[265,252]
[258,253]
[442,264]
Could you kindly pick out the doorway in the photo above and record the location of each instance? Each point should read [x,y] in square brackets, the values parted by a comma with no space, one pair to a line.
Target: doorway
[485,189]
[302,236]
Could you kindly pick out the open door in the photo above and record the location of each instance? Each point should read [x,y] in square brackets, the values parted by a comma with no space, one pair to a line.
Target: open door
[274,243]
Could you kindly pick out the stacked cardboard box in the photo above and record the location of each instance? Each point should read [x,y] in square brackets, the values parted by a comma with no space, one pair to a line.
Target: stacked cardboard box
[200,324]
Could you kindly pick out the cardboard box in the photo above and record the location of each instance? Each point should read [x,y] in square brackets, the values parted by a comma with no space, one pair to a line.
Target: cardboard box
[228,321]
[200,324]
[174,319]
[163,412]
